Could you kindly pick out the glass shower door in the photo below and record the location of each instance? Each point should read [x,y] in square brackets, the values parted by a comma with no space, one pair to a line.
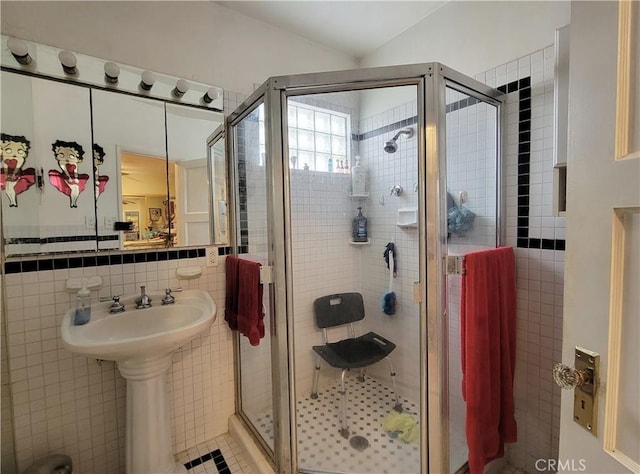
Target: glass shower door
[255,400]
[356,420]
[472,177]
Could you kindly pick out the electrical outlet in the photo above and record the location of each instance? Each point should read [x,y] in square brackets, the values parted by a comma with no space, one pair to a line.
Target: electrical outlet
[212,256]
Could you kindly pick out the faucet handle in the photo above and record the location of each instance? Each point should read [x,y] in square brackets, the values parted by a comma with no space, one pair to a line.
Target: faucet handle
[168,298]
[116,306]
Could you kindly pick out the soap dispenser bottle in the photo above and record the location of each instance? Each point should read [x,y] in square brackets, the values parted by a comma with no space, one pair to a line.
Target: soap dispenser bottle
[82,314]
[360,227]
[358,179]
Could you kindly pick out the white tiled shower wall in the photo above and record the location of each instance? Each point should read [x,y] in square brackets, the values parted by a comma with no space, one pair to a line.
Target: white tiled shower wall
[385,170]
[540,273]
[323,261]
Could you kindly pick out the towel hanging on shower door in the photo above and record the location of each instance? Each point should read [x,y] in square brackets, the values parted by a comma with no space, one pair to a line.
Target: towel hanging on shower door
[388,301]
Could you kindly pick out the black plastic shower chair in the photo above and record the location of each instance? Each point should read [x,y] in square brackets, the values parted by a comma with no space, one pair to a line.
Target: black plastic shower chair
[352,353]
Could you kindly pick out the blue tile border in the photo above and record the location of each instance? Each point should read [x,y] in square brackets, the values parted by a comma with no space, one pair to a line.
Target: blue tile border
[523,88]
[99,260]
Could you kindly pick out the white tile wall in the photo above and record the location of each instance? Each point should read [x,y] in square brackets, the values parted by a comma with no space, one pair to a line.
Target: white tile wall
[540,273]
[323,261]
[386,170]
[6,434]
[67,403]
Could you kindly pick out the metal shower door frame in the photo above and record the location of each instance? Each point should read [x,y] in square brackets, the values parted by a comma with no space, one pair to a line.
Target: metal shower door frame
[431,80]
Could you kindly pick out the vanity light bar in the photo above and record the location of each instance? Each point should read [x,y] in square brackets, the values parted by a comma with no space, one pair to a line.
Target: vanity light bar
[41,60]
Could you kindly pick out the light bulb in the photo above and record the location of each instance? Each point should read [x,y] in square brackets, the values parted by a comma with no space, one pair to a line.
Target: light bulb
[211,95]
[181,88]
[19,51]
[111,72]
[68,61]
[147,81]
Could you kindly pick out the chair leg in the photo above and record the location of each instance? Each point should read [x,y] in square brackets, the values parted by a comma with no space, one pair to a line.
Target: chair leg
[316,377]
[361,375]
[398,405]
[344,428]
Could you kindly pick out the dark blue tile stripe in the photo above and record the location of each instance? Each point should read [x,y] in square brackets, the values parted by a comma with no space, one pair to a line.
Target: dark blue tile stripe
[524,240]
[523,87]
[386,129]
[42,264]
[218,460]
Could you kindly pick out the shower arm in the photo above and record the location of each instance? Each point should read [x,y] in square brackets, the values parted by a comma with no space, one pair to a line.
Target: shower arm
[408,132]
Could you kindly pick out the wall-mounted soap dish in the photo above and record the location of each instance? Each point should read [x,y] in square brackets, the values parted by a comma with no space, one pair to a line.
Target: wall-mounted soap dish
[92,283]
[188,273]
[407,218]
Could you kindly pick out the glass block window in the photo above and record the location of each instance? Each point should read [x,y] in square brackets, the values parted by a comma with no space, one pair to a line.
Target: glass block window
[319,139]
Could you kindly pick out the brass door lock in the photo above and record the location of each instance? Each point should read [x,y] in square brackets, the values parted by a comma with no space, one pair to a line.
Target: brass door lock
[584,378]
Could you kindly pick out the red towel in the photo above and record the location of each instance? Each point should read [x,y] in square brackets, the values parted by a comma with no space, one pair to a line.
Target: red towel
[231,292]
[250,315]
[488,322]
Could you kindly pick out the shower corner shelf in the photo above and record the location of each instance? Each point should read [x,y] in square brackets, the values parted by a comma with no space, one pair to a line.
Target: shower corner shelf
[358,244]
[407,218]
[359,196]
[412,225]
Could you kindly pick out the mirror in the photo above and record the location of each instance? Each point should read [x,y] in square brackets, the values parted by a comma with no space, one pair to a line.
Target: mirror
[218,176]
[46,176]
[125,128]
[150,167]
[190,187]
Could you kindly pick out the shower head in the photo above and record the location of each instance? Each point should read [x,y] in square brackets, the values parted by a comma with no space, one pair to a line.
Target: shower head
[391,146]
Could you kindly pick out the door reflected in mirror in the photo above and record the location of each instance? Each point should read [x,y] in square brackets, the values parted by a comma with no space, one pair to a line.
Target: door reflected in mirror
[218,172]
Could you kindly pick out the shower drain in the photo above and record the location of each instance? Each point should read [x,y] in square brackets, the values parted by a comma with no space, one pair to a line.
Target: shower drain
[359,442]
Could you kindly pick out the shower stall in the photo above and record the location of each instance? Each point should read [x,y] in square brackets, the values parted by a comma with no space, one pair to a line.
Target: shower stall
[428,138]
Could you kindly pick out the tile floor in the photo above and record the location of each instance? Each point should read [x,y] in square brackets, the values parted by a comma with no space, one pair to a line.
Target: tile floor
[320,446]
[235,461]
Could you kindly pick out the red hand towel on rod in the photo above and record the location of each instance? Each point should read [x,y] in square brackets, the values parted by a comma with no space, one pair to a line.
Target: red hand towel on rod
[250,315]
[488,326]
[231,292]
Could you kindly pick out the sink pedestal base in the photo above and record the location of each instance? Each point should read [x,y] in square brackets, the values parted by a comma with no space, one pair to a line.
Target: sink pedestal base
[148,437]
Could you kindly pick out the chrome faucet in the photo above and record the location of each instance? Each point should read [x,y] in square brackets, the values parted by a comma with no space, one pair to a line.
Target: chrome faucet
[143,301]
[396,191]
[168,297]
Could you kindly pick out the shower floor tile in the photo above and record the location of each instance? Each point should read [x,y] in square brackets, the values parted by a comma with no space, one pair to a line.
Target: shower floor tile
[322,448]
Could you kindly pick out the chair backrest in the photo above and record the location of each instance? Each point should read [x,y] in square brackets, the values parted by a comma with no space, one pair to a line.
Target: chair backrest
[338,309]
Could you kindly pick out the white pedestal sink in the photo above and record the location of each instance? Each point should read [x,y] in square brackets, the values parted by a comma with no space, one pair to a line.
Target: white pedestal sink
[141,341]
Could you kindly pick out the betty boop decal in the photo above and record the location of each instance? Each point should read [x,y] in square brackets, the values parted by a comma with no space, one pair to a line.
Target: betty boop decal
[100,180]
[14,179]
[68,181]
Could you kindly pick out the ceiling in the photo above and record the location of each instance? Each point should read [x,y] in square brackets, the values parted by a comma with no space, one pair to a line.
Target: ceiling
[353,27]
